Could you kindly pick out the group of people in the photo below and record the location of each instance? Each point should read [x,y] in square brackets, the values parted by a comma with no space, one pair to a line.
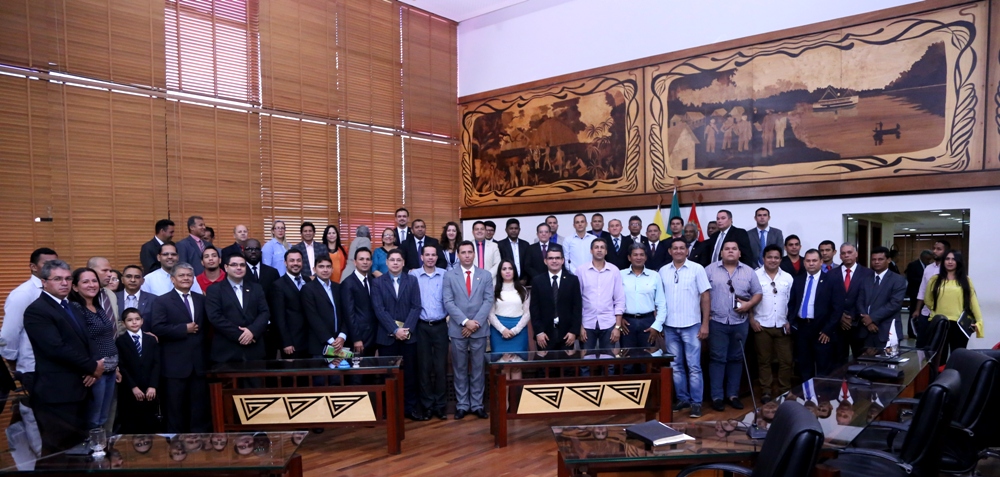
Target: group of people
[87,353]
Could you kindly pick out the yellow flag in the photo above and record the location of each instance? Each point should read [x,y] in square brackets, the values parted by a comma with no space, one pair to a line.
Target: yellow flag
[658,220]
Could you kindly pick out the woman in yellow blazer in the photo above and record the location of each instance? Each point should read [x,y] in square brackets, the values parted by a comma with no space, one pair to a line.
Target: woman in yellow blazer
[950,293]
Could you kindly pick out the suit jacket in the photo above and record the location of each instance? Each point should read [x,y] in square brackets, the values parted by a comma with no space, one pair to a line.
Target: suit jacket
[827,306]
[914,274]
[148,256]
[138,371]
[391,307]
[658,258]
[850,297]
[412,255]
[268,275]
[182,354]
[491,257]
[325,320]
[535,263]
[559,239]
[742,239]
[232,249]
[882,303]
[569,306]
[461,306]
[287,314]
[395,233]
[619,258]
[62,351]
[774,237]
[786,265]
[226,316]
[318,250]
[188,251]
[145,307]
[358,312]
[507,252]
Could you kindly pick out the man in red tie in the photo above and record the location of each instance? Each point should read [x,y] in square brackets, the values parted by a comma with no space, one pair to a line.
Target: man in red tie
[850,275]
[487,253]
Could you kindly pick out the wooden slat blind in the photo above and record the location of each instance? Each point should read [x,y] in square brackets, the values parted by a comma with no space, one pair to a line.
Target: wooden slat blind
[27,30]
[371,63]
[371,178]
[432,182]
[430,74]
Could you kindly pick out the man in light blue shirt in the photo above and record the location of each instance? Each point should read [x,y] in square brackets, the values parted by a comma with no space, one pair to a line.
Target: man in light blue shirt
[686,289]
[432,337]
[645,307]
[273,253]
[577,246]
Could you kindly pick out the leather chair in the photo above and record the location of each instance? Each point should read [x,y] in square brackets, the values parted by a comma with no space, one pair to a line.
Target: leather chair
[790,449]
[920,452]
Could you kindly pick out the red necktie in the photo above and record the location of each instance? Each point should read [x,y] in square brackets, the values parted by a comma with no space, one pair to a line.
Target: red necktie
[468,282]
[847,280]
[480,253]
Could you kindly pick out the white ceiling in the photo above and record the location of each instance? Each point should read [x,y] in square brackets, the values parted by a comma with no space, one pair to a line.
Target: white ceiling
[461,10]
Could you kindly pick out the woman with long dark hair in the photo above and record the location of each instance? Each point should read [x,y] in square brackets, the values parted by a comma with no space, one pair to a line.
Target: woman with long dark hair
[510,314]
[331,238]
[451,236]
[381,254]
[950,293]
[101,330]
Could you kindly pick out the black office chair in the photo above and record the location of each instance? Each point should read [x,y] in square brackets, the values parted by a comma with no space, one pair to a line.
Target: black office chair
[920,453]
[791,448]
[992,437]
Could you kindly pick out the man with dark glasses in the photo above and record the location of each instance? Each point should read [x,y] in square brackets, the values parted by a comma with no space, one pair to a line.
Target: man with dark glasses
[769,322]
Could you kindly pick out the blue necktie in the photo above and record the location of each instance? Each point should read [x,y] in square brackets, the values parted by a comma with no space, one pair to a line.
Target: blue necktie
[72,316]
[138,344]
[763,243]
[805,301]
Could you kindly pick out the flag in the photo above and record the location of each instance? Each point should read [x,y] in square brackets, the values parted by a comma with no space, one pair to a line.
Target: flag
[693,219]
[675,207]
[658,220]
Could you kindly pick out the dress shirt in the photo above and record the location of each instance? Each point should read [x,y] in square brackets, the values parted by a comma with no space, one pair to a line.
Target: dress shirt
[131,301]
[238,289]
[402,236]
[772,311]
[158,282]
[328,288]
[929,271]
[682,289]
[826,268]
[744,283]
[297,280]
[578,251]
[190,301]
[603,295]
[811,293]
[158,240]
[644,294]
[431,294]
[311,254]
[636,238]
[616,242]
[843,271]
[757,232]
[517,256]
[273,255]
[718,244]
[12,332]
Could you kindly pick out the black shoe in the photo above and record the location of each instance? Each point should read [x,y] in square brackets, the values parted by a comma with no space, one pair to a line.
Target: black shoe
[681,405]
[766,398]
[718,405]
[735,403]
[481,413]
[420,416]
[459,414]
[411,416]
[695,411]
[441,415]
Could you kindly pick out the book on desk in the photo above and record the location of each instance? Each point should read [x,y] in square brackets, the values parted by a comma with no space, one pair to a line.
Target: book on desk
[656,433]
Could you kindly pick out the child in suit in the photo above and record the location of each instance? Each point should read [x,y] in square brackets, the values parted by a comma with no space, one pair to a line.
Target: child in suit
[139,356]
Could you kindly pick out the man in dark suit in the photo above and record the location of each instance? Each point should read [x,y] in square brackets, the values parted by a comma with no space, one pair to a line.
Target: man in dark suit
[324,315]
[265,276]
[657,250]
[241,233]
[849,277]
[879,303]
[556,321]
[132,297]
[149,251]
[617,253]
[813,314]
[713,246]
[402,230]
[178,317]
[396,300]
[763,235]
[238,312]
[792,261]
[287,315]
[635,233]
[311,249]
[189,248]
[914,274]
[139,364]
[536,252]
[411,247]
[514,249]
[355,294]
[597,227]
[64,367]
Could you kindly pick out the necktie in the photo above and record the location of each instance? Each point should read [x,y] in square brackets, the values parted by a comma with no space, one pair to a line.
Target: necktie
[201,245]
[402,236]
[555,289]
[365,283]
[479,245]
[72,316]
[804,312]
[298,282]
[847,280]
[878,280]
[254,270]
[545,247]
[187,306]
[420,245]
[395,285]
[106,304]
[718,246]
[763,242]
[617,245]
[138,344]
[652,247]
[468,282]
[131,301]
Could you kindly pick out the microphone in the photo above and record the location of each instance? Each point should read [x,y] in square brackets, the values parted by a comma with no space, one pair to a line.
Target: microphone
[753,430]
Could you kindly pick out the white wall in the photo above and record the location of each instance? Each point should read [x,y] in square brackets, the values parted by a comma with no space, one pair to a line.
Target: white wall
[544,38]
[817,220]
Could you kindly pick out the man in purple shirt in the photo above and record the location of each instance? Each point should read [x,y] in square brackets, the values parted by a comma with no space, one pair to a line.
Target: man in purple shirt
[603,299]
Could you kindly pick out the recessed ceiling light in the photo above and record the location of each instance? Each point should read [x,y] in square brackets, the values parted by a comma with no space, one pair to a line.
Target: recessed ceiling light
[935,211]
[945,214]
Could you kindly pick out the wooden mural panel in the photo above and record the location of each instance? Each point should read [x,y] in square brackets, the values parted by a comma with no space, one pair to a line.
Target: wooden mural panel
[993,90]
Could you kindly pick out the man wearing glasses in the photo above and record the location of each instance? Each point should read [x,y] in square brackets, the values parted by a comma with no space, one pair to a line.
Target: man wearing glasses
[686,292]
[769,321]
[735,291]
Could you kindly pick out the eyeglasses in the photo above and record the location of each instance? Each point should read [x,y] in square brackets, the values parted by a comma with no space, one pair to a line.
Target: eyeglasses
[731,289]
[774,288]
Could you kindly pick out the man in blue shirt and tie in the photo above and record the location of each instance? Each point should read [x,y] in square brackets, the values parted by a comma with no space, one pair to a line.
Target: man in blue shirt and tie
[811,315]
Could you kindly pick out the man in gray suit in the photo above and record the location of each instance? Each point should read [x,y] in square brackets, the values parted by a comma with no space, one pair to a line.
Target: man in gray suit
[468,298]
[763,235]
[879,303]
[189,248]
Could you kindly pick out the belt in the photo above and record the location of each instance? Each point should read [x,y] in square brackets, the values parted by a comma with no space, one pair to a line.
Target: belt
[638,316]
[433,323]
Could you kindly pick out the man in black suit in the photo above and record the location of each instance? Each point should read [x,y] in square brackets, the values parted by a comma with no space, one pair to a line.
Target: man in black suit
[417,239]
[238,312]
[287,315]
[658,252]
[556,321]
[241,233]
[355,294]
[131,296]
[266,276]
[792,261]
[727,231]
[914,274]
[514,249]
[813,314]
[149,251]
[635,233]
[536,252]
[879,303]
[323,310]
[597,227]
[617,253]
[178,317]
[189,248]
[396,300]
[64,367]
[848,277]
[402,230]
[139,364]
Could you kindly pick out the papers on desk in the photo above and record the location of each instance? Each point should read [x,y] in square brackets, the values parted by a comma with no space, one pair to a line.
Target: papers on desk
[656,433]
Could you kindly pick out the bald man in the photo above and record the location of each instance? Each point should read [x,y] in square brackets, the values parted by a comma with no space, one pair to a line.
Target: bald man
[241,233]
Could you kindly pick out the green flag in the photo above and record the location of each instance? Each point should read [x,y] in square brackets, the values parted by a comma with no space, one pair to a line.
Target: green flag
[675,210]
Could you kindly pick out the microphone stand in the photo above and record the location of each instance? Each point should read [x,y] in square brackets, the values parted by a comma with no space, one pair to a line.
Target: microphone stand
[753,430]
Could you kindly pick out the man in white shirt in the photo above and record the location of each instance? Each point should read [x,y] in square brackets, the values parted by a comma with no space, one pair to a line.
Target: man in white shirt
[577,246]
[922,317]
[310,249]
[402,230]
[487,251]
[158,281]
[769,322]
